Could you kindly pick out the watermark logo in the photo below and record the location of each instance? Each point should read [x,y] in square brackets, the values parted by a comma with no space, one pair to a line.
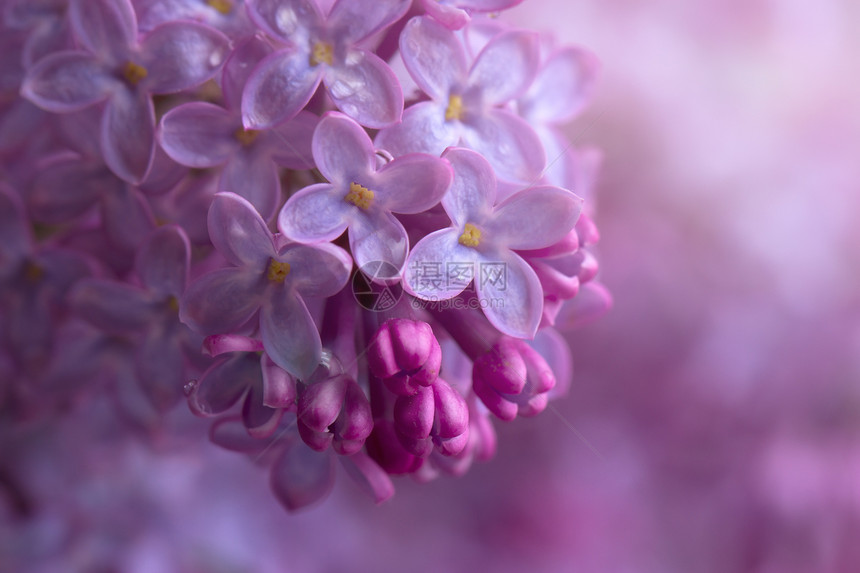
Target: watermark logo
[376,286]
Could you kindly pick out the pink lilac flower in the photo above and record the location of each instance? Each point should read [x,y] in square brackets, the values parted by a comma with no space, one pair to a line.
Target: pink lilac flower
[324,49]
[467,103]
[116,68]
[455,14]
[266,285]
[228,16]
[201,135]
[482,240]
[360,196]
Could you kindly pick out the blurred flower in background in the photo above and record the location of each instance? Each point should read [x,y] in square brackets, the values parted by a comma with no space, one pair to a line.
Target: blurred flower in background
[713,422]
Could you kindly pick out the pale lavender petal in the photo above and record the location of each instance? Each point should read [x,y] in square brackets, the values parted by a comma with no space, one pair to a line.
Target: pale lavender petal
[223,384]
[473,190]
[362,18]
[279,87]
[112,306]
[238,68]
[487,5]
[289,20]
[513,305]
[67,81]
[432,252]
[562,168]
[105,27]
[412,183]
[239,233]
[509,143]
[128,134]
[449,16]
[164,174]
[423,130]
[506,66]
[377,235]
[367,474]
[289,333]
[163,261]
[159,363]
[289,143]
[433,56]
[221,301]
[199,134]
[181,55]
[562,87]
[218,344]
[315,214]
[302,476]
[365,88]
[279,387]
[256,178]
[342,149]
[317,270]
[534,218]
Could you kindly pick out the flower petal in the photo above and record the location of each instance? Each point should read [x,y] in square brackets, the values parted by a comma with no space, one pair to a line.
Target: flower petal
[290,142]
[163,261]
[181,55]
[223,384]
[221,301]
[360,19]
[342,149]
[320,270]
[289,333]
[279,388]
[449,16]
[260,420]
[199,134]
[239,233]
[377,235]
[473,188]
[367,474]
[427,267]
[239,67]
[509,143]
[433,56]
[128,134]
[302,476]
[535,218]
[126,217]
[278,88]
[506,66]
[562,87]
[105,27]
[255,177]
[423,130]
[514,303]
[111,306]
[160,371]
[289,20]
[365,88]
[412,183]
[15,235]
[315,214]
[67,81]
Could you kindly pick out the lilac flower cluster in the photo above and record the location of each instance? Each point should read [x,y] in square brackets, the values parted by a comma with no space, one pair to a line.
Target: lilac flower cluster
[180,175]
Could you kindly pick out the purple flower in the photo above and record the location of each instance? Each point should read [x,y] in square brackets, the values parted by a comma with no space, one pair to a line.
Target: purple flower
[466,104]
[455,14]
[405,355]
[124,73]
[268,280]
[480,244]
[361,197]
[201,134]
[323,49]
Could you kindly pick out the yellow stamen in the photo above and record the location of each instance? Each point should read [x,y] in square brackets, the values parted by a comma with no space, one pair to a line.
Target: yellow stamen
[322,53]
[246,136]
[359,195]
[222,6]
[278,271]
[471,236]
[173,304]
[455,108]
[133,73]
[33,272]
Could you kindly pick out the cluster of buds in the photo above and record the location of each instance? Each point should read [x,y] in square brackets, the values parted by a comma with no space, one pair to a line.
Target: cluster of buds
[362,211]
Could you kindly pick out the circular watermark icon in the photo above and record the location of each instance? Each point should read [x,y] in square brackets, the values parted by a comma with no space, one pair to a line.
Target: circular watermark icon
[376,286]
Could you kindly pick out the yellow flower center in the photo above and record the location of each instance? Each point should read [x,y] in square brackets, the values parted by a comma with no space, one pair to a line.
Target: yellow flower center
[322,53]
[222,6]
[359,195]
[33,272]
[133,73]
[454,109]
[173,304]
[246,136]
[471,236]
[278,271]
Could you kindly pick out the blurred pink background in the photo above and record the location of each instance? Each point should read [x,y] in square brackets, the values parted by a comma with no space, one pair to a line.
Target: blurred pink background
[714,420]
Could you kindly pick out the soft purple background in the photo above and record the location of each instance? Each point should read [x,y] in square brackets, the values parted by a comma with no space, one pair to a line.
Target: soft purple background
[714,421]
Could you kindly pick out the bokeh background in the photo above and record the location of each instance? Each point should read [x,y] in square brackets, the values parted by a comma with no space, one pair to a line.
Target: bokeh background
[713,424]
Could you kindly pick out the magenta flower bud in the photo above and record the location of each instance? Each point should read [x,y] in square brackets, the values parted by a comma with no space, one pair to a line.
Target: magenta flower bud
[384,447]
[334,411]
[512,378]
[405,355]
[435,416]
[587,231]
